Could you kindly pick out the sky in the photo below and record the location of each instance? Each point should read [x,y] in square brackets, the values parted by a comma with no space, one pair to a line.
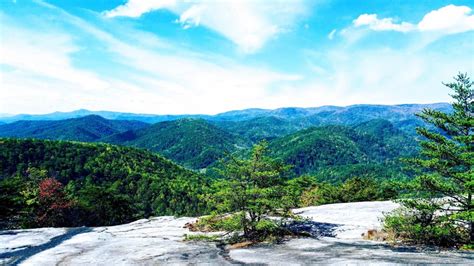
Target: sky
[202,56]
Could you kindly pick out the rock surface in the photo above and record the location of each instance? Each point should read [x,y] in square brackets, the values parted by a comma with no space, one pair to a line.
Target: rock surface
[337,229]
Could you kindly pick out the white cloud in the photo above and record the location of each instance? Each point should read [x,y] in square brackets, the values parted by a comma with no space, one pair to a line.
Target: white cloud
[163,77]
[135,8]
[446,20]
[331,34]
[381,75]
[45,54]
[247,23]
[384,24]
[43,78]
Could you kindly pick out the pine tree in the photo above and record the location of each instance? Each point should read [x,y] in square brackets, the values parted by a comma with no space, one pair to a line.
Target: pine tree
[445,183]
[254,188]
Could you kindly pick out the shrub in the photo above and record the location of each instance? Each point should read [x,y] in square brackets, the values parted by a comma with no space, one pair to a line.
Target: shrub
[265,229]
[322,194]
[54,209]
[214,223]
[415,227]
[352,190]
[294,189]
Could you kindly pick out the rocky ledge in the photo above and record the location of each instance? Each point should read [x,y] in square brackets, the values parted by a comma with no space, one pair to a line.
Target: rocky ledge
[336,231]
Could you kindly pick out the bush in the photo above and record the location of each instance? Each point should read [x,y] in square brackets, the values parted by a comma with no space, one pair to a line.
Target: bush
[322,194]
[214,223]
[265,229]
[54,208]
[416,227]
[294,189]
[352,190]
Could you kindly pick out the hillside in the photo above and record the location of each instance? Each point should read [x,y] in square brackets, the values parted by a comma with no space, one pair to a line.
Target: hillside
[337,152]
[88,128]
[193,143]
[110,184]
[260,128]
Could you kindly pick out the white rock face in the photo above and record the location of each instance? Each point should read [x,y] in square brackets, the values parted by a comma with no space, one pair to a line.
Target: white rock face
[160,241]
[349,221]
[353,218]
[141,242]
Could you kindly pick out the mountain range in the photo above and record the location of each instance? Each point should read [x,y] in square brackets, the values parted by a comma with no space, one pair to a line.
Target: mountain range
[323,114]
[329,141]
[336,141]
[122,167]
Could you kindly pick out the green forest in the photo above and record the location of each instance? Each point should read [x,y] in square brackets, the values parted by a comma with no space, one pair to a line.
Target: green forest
[106,184]
[103,184]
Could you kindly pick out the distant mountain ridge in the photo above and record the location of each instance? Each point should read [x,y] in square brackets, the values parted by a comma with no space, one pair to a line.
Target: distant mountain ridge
[87,128]
[147,118]
[322,112]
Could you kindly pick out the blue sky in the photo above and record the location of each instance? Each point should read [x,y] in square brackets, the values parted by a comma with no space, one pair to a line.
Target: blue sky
[167,56]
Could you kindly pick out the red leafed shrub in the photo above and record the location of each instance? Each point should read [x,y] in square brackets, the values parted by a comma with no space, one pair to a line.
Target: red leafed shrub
[50,188]
[54,207]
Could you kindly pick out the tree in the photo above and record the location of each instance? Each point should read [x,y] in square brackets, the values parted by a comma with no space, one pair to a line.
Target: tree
[253,188]
[54,206]
[445,183]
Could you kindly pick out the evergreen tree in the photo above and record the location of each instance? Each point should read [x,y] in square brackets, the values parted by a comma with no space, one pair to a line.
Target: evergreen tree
[445,181]
[254,188]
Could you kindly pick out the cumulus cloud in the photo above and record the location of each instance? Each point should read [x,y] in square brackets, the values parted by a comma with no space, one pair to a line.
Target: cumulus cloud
[446,20]
[385,24]
[247,23]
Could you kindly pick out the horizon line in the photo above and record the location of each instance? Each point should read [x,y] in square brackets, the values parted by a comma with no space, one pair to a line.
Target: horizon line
[9,115]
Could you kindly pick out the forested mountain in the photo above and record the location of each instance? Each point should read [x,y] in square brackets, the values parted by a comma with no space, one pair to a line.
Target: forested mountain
[360,113]
[87,128]
[193,143]
[260,128]
[107,184]
[198,144]
[342,151]
[257,124]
